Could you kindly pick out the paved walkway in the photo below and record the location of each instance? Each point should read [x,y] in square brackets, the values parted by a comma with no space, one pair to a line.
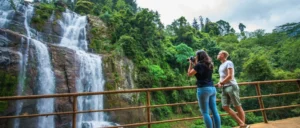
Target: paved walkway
[285,123]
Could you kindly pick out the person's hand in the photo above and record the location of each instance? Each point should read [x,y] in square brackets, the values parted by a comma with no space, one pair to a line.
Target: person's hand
[219,85]
[191,62]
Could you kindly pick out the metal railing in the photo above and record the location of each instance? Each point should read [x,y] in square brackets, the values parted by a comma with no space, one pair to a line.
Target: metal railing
[148,106]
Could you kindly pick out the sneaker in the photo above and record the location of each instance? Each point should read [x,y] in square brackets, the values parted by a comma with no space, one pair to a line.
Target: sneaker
[245,126]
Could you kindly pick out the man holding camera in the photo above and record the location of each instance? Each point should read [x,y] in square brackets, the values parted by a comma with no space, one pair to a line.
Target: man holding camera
[230,90]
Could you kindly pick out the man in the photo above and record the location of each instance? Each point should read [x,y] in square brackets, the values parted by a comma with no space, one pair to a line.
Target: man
[230,90]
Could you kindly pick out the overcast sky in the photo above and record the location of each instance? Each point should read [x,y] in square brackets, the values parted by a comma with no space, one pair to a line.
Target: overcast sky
[255,14]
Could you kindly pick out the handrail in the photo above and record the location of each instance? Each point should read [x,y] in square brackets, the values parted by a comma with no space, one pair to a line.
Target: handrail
[148,105]
[130,91]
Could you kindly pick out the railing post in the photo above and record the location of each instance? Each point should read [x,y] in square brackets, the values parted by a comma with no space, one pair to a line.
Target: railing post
[261,103]
[74,111]
[298,82]
[148,109]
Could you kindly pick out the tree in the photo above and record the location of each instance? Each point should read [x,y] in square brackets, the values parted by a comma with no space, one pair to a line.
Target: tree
[232,30]
[211,28]
[182,22]
[195,24]
[83,6]
[289,55]
[257,68]
[259,33]
[183,32]
[242,27]
[224,27]
[132,4]
[183,53]
[201,23]
[109,3]
[121,5]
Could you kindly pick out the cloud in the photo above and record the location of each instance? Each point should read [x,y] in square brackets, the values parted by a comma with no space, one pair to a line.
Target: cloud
[255,14]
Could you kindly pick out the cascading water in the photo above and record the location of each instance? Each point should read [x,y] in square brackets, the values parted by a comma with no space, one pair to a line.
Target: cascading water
[21,79]
[45,83]
[23,63]
[7,11]
[90,77]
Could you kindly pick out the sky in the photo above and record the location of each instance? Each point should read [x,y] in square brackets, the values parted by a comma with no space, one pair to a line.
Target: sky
[254,14]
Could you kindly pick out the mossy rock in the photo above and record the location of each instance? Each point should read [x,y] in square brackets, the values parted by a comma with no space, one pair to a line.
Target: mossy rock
[8,86]
[43,13]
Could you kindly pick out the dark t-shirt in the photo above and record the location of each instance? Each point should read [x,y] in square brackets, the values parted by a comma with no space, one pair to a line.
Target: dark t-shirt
[203,75]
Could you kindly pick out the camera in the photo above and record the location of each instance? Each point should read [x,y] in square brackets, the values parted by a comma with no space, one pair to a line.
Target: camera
[192,59]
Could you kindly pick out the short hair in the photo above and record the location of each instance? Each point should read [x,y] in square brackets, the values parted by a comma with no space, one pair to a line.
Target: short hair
[226,54]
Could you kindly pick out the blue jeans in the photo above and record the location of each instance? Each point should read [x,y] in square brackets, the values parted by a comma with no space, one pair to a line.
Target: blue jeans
[207,101]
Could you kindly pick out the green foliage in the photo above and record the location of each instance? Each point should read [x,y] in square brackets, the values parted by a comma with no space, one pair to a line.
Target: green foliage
[156,72]
[228,121]
[129,45]
[257,67]
[121,5]
[198,124]
[8,86]
[224,27]
[83,6]
[212,29]
[44,11]
[251,118]
[288,55]
[183,53]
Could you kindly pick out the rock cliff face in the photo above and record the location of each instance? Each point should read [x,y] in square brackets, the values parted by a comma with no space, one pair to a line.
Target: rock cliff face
[119,72]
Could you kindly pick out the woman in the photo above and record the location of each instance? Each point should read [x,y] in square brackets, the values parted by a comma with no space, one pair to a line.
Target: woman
[206,92]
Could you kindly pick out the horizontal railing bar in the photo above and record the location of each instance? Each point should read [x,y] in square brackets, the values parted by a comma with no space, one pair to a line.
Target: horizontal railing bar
[128,91]
[281,107]
[249,97]
[268,82]
[36,115]
[280,94]
[112,109]
[175,104]
[94,93]
[70,112]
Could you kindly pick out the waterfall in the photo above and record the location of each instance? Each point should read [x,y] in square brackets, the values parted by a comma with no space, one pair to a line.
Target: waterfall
[90,77]
[45,83]
[21,79]
[6,12]
[74,29]
[23,63]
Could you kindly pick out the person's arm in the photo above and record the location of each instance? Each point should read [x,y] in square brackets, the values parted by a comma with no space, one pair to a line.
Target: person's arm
[191,71]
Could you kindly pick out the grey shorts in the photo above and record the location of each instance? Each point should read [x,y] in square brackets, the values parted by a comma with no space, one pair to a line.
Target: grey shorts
[231,95]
